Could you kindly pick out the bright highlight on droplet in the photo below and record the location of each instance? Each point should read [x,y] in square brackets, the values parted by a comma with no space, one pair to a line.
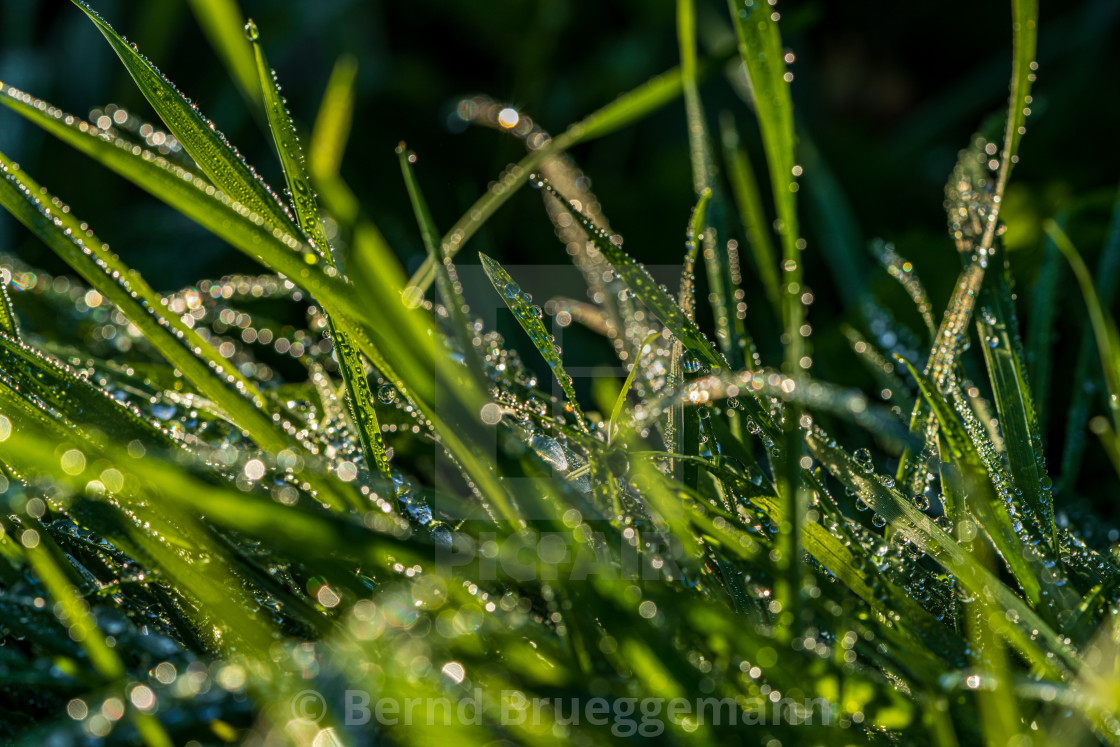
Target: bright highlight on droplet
[5,428]
[254,469]
[508,118]
[73,462]
[455,671]
[490,413]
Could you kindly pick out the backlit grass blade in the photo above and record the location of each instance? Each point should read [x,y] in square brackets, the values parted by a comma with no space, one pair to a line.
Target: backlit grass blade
[200,139]
[529,317]
[359,398]
[179,344]
[56,391]
[46,560]
[221,20]
[9,323]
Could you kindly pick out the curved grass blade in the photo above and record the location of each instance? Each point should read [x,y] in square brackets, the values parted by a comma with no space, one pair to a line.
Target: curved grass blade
[1108,269]
[1104,328]
[359,398]
[281,251]
[529,317]
[221,163]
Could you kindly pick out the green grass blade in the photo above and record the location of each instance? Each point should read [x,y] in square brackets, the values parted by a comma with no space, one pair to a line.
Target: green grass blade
[1022,627]
[994,519]
[744,186]
[9,322]
[661,304]
[1104,328]
[447,280]
[620,401]
[359,398]
[328,140]
[222,22]
[529,317]
[760,47]
[272,246]
[198,136]
[997,327]
[1108,267]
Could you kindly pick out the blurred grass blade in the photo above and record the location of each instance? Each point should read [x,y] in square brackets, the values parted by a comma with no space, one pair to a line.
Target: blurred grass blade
[529,317]
[200,139]
[328,140]
[744,187]
[623,111]
[222,22]
[359,398]
[1104,328]
[1108,270]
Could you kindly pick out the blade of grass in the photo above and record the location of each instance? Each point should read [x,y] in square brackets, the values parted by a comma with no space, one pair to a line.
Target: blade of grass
[760,47]
[529,317]
[447,280]
[998,330]
[1108,266]
[200,139]
[359,398]
[1104,328]
[328,140]
[744,187]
